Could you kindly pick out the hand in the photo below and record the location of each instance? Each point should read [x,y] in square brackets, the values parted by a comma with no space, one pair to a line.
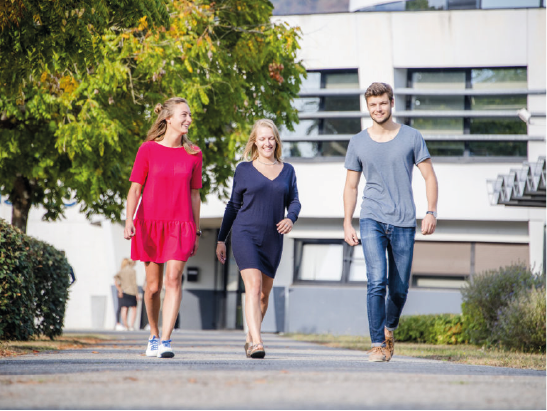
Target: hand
[284,226]
[129,230]
[350,236]
[120,294]
[196,246]
[221,252]
[429,223]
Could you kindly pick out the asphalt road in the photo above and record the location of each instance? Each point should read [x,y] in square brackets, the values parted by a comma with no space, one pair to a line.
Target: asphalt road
[210,371]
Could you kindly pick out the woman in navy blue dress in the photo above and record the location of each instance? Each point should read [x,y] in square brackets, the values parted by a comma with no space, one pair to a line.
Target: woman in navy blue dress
[263,188]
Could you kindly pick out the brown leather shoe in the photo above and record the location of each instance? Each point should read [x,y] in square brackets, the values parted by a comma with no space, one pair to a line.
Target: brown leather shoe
[377,354]
[257,351]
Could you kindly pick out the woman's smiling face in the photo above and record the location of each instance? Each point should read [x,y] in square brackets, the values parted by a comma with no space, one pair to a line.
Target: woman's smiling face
[181,119]
[265,142]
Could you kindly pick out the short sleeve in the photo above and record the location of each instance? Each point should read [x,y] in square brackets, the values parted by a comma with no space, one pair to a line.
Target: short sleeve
[140,167]
[196,181]
[352,159]
[421,152]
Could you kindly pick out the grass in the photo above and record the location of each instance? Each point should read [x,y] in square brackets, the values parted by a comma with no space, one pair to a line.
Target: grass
[461,353]
[36,345]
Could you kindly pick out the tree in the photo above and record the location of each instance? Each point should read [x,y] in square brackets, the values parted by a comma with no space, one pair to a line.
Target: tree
[75,135]
[37,35]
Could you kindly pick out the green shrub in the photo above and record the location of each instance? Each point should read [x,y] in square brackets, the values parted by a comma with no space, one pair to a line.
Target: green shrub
[488,294]
[431,329]
[521,324]
[34,280]
[51,273]
[16,285]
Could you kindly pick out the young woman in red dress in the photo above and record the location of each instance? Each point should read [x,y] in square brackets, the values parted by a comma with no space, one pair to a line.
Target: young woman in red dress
[165,231]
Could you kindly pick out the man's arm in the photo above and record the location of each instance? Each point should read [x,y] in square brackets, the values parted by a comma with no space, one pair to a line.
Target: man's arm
[350,201]
[429,223]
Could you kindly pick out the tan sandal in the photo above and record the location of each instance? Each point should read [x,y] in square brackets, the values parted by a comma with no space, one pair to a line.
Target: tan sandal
[257,351]
[248,346]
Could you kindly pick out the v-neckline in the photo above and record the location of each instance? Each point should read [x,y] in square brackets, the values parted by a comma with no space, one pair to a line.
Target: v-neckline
[258,171]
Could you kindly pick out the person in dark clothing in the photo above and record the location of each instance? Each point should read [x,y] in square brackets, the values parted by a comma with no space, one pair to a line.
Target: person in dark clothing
[263,188]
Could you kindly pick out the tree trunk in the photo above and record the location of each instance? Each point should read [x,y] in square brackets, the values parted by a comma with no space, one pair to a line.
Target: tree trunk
[20,198]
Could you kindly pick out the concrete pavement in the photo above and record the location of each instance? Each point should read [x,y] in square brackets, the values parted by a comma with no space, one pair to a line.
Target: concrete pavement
[210,371]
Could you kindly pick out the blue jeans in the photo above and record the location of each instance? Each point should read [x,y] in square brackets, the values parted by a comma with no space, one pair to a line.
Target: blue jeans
[377,238]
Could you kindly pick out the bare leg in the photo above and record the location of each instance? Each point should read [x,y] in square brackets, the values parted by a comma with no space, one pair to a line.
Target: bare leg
[132,316]
[267,284]
[124,316]
[173,296]
[253,289]
[154,283]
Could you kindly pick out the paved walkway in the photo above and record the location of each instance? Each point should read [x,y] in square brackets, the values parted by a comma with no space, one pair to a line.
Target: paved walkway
[210,371]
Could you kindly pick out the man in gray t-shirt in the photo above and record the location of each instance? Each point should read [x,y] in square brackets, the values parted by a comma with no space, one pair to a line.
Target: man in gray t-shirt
[386,154]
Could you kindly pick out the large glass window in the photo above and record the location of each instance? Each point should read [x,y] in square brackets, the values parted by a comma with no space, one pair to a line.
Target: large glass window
[317,81]
[329,260]
[313,149]
[319,261]
[450,265]
[424,5]
[436,264]
[498,78]
[510,4]
[473,90]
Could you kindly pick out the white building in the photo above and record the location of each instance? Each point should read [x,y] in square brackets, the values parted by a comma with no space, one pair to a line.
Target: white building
[460,74]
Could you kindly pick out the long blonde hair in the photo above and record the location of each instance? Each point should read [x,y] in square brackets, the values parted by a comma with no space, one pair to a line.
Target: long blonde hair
[158,129]
[251,151]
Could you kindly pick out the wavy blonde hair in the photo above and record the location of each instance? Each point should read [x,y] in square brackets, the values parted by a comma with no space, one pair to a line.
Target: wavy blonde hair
[251,151]
[158,129]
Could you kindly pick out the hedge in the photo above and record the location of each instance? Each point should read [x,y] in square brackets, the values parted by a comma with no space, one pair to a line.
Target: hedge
[17,285]
[34,280]
[489,293]
[505,308]
[431,329]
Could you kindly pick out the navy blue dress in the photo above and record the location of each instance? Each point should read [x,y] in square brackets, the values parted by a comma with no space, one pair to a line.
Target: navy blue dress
[257,204]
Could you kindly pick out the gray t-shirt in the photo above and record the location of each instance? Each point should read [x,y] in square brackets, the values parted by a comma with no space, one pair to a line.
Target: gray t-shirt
[387,168]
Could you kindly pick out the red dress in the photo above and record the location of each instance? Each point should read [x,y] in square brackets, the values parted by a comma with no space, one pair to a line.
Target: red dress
[164,224]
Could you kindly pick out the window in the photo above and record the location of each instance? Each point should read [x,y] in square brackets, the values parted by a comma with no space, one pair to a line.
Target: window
[472,101]
[424,5]
[329,260]
[319,260]
[312,149]
[435,264]
[319,95]
[450,265]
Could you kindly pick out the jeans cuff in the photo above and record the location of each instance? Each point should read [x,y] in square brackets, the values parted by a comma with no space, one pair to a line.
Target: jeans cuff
[378,345]
[391,328]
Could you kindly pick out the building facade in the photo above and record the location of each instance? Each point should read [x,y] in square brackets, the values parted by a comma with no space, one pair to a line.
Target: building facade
[461,72]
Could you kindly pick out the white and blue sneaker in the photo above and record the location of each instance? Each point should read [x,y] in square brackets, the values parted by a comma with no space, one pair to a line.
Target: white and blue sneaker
[165,350]
[152,349]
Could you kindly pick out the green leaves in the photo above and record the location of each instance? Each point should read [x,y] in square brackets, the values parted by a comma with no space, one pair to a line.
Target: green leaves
[75,121]
[34,280]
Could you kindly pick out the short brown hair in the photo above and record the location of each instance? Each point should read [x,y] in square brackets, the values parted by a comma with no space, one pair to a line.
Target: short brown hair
[378,89]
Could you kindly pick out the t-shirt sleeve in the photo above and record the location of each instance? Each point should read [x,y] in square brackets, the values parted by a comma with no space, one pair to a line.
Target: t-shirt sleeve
[140,167]
[421,152]
[196,181]
[352,159]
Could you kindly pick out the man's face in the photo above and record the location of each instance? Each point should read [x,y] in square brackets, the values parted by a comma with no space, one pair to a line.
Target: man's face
[379,108]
